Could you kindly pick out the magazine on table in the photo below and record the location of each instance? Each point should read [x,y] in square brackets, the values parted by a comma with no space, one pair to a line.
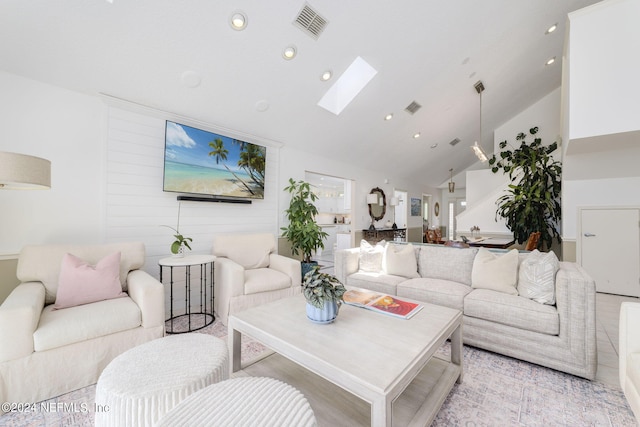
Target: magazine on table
[381,303]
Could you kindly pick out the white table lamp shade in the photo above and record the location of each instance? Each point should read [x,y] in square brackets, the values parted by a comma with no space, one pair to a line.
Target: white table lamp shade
[394,201]
[23,172]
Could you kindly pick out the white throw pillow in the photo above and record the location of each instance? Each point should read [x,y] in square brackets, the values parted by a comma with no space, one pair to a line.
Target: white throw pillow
[400,260]
[498,272]
[371,256]
[537,278]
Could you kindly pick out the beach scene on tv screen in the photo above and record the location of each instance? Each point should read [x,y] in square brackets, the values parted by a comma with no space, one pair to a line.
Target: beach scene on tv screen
[201,162]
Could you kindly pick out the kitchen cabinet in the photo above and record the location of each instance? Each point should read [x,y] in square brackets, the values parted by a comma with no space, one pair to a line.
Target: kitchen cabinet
[343,241]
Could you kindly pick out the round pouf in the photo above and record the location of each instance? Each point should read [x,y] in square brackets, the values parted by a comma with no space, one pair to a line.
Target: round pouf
[243,402]
[144,383]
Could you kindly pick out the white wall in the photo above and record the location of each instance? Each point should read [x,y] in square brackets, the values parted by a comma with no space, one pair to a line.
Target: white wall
[545,114]
[603,110]
[136,205]
[68,129]
[484,187]
[604,91]
[107,161]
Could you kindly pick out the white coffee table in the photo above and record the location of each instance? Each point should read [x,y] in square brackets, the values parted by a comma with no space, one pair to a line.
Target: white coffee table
[371,355]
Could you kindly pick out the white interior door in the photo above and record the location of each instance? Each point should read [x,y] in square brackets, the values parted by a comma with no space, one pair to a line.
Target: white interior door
[609,243]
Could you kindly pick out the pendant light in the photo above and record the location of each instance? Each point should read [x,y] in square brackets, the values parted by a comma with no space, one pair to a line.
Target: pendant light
[477,149]
[452,185]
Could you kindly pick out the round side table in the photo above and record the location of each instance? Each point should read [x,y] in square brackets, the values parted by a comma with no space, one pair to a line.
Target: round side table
[201,315]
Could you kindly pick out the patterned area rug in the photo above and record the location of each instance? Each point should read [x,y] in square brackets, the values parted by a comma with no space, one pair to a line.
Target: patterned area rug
[501,391]
[496,391]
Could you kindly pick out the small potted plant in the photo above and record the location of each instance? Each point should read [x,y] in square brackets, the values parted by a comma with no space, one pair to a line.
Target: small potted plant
[304,234]
[323,293]
[177,247]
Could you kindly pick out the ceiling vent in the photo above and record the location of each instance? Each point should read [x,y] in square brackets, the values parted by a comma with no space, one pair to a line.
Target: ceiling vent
[310,22]
[413,107]
[454,142]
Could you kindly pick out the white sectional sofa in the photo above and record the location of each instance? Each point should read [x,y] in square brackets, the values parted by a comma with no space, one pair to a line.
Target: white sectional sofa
[45,351]
[629,354]
[555,327]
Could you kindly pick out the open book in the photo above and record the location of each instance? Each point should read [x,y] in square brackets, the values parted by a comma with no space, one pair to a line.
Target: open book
[381,303]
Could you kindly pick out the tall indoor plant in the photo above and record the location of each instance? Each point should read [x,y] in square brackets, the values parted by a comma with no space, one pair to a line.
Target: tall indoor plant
[303,232]
[532,202]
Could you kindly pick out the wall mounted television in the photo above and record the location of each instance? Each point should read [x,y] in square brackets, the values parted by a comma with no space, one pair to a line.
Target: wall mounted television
[208,164]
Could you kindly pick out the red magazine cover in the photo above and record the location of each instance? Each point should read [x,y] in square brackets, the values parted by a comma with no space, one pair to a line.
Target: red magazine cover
[381,303]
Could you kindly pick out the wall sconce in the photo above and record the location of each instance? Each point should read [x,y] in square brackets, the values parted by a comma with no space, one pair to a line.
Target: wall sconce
[23,172]
[452,185]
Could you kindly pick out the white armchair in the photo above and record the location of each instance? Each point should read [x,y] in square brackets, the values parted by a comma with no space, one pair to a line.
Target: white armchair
[629,361]
[46,352]
[248,273]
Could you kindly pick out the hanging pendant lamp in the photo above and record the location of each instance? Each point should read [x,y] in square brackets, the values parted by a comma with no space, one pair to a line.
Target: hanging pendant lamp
[452,185]
[477,149]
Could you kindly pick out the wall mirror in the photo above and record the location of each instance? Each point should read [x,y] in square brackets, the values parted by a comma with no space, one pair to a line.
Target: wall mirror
[377,210]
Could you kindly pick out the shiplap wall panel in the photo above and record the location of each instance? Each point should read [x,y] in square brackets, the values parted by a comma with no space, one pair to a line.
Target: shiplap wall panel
[137,207]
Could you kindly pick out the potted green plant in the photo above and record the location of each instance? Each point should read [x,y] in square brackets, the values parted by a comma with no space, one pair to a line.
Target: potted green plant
[178,245]
[323,293]
[532,202]
[304,234]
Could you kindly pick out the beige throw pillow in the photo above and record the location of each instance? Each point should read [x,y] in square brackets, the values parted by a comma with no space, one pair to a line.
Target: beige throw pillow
[498,272]
[537,277]
[400,260]
[371,256]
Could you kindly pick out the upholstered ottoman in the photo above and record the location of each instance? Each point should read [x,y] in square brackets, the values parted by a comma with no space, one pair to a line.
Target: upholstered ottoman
[142,384]
[243,402]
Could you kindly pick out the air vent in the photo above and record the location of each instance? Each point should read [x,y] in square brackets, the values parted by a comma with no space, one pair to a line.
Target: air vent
[454,142]
[413,107]
[310,22]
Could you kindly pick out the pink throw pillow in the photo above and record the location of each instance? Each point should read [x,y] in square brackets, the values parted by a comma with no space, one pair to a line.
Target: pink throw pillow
[81,283]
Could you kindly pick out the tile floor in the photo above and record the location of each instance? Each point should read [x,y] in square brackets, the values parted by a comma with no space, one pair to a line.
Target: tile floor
[607,318]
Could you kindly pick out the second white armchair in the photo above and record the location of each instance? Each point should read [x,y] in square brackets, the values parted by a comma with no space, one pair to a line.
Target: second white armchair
[248,273]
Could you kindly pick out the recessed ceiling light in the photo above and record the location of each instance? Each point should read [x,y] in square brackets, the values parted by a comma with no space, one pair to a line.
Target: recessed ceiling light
[434,145]
[388,116]
[238,21]
[551,29]
[551,61]
[289,52]
[416,135]
[326,75]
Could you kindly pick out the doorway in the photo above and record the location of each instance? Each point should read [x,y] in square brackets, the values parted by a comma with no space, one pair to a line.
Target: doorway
[400,209]
[456,207]
[334,204]
[426,217]
[609,248]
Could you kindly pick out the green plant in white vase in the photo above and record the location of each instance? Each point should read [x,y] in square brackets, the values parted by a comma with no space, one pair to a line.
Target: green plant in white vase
[323,293]
[178,245]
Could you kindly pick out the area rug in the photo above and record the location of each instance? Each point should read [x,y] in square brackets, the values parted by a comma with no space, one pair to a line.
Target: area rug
[496,391]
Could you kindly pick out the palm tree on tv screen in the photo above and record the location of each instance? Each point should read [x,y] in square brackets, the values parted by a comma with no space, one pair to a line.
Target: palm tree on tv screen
[251,161]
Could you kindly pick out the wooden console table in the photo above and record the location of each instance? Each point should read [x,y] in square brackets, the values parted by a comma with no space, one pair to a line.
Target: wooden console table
[388,234]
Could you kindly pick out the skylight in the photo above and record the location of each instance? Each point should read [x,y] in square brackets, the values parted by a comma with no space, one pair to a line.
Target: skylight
[348,86]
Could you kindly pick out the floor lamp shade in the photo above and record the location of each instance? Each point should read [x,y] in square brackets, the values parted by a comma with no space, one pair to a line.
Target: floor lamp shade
[23,172]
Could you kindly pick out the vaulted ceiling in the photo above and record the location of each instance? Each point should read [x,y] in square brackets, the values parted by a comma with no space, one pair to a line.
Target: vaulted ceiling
[185,58]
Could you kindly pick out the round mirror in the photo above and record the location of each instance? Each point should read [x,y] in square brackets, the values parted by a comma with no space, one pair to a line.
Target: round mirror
[377,210]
